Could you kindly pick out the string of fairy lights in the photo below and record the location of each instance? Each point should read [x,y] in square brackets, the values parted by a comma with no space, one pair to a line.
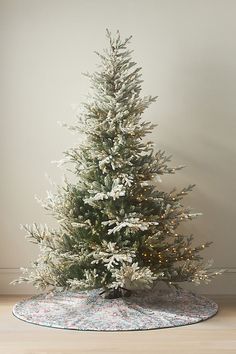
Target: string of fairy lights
[168,254]
[161,258]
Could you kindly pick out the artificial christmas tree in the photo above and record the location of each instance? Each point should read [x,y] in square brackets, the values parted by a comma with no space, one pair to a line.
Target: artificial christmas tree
[117,230]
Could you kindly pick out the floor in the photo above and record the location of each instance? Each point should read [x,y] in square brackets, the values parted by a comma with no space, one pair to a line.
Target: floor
[217,335]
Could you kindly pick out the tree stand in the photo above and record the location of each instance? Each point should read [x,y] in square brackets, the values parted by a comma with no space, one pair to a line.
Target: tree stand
[116,293]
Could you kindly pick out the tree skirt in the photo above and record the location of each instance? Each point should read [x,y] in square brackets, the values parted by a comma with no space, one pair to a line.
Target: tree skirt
[89,311]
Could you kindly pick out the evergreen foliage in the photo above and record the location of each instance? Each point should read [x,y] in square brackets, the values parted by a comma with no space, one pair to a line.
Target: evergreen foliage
[117,229]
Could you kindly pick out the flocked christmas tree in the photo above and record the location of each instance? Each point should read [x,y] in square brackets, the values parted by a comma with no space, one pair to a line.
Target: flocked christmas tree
[117,230]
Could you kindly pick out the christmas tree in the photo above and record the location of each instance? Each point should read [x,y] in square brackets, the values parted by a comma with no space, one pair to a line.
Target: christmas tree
[116,229]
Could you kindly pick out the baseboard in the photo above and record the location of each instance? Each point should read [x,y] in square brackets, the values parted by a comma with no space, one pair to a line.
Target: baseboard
[224,284]
[7,275]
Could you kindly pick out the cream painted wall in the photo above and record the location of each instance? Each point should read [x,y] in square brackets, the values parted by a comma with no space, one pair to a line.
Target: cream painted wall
[188,53]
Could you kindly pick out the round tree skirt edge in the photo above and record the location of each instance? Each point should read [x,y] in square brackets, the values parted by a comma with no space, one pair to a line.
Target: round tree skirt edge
[89,311]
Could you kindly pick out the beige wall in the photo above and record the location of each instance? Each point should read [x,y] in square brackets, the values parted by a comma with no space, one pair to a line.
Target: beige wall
[188,53]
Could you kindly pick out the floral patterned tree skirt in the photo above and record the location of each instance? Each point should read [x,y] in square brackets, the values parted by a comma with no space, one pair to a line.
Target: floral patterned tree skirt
[89,311]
